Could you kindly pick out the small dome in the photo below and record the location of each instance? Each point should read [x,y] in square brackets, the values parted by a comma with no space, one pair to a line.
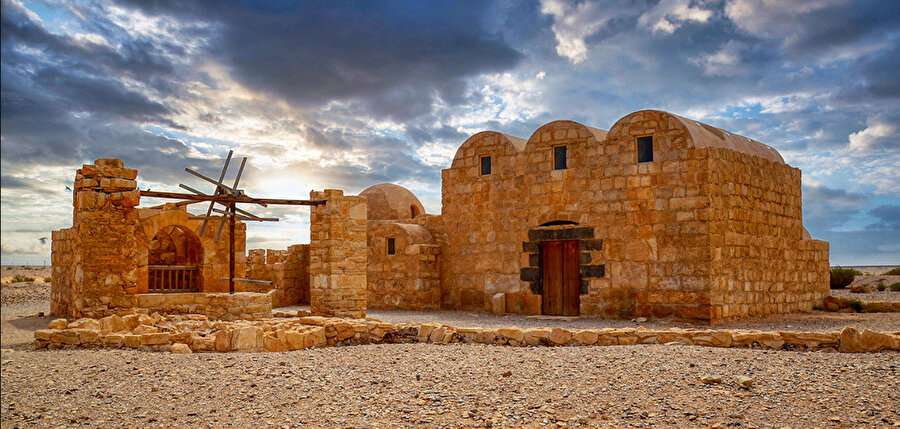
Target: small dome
[388,201]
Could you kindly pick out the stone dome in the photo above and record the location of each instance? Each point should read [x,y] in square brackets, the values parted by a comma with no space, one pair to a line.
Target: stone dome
[388,201]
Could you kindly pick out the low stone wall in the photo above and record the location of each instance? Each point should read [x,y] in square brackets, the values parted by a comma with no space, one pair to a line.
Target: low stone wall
[850,305]
[186,333]
[219,306]
[288,270]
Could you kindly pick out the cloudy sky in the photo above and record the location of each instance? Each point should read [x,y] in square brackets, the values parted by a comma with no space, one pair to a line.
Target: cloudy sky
[350,94]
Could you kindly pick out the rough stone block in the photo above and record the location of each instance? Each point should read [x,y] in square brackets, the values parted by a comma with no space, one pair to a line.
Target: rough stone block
[498,304]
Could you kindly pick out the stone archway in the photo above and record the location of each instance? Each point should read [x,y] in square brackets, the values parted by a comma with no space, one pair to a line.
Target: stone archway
[175,256]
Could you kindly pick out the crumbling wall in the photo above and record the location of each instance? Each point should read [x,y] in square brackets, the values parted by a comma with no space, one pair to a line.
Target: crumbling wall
[62,259]
[408,279]
[288,270]
[105,236]
[338,255]
[219,306]
[106,253]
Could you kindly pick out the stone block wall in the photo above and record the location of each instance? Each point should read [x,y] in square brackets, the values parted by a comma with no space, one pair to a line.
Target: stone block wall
[288,270]
[338,255]
[217,306]
[756,222]
[671,229]
[650,218]
[63,272]
[664,251]
[101,247]
[410,278]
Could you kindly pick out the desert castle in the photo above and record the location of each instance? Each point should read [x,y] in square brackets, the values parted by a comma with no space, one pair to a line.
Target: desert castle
[660,216]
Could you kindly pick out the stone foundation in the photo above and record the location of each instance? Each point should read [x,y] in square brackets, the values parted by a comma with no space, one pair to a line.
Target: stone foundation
[217,306]
[162,333]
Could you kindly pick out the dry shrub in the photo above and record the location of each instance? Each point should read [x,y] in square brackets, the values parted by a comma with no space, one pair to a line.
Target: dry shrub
[841,277]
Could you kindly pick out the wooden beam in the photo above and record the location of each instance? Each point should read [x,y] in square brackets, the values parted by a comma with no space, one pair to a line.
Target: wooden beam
[240,280]
[229,198]
[255,219]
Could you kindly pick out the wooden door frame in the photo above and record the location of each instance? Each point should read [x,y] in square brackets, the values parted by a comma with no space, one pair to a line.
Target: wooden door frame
[562,283]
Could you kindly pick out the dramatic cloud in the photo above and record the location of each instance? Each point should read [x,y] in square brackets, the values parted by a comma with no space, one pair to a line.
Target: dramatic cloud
[351,94]
[572,23]
[668,15]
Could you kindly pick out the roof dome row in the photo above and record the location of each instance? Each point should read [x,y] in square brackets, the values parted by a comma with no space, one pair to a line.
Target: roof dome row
[700,135]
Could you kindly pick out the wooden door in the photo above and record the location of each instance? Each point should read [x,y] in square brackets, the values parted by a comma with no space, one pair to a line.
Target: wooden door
[561,278]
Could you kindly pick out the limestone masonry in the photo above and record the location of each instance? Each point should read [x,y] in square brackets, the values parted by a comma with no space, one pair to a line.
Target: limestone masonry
[660,216]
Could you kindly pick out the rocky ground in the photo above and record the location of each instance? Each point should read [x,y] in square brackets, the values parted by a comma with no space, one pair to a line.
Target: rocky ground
[425,385]
[865,288]
[24,292]
[451,386]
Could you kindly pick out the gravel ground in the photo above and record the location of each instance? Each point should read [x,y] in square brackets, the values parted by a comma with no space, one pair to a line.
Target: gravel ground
[872,295]
[820,321]
[450,386]
[423,385]
[25,292]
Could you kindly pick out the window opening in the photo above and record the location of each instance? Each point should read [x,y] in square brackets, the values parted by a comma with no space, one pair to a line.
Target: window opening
[559,157]
[645,149]
[391,250]
[485,165]
[413,212]
[558,222]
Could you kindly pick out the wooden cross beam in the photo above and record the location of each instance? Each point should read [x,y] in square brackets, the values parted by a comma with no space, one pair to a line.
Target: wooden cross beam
[228,196]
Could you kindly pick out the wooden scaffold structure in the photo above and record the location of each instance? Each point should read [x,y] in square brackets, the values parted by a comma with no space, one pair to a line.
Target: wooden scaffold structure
[229,197]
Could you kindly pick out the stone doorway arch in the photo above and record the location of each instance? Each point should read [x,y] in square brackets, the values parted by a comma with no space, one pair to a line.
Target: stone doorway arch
[175,257]
[559,264]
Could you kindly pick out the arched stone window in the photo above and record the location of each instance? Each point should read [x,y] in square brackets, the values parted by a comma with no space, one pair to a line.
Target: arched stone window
[175,255]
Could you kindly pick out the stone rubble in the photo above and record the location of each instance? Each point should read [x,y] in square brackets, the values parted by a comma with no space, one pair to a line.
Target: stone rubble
[200,334]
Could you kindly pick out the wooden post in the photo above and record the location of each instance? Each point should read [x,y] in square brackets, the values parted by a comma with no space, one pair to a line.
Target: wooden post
[231,248]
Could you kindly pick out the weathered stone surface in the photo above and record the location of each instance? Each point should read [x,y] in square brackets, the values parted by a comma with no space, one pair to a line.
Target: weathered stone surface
[871,341]
[112,323]
[43,334]
[112,340]
[156,338]
[711,379]
[85,323]
[559,336]
[180,348]
[850,341]
[132,340]
[515,334]
[247,338]
[58,324]
[276,335]
[498,304]
[338,255]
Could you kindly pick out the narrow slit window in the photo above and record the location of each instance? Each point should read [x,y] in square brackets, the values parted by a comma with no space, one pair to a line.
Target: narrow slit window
[645,149]
[391,246]
[485,165]
[559,158]
[413,212]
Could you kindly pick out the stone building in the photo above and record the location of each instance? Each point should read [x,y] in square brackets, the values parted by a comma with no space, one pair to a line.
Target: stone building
[661,216]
